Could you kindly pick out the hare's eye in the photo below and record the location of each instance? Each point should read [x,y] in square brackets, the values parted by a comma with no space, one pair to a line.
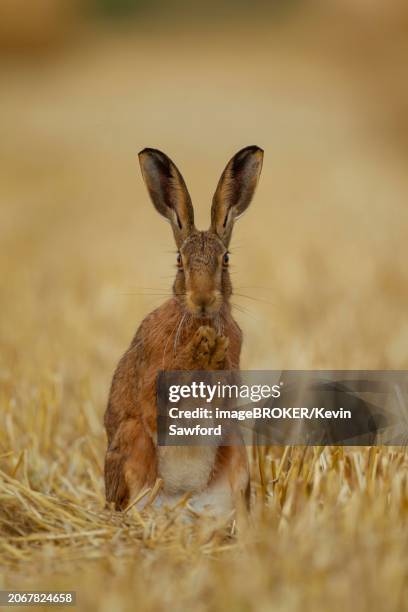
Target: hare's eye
[179,261]
[225,259]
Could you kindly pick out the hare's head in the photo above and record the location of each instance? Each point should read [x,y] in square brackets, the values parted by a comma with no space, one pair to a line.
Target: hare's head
[202,283]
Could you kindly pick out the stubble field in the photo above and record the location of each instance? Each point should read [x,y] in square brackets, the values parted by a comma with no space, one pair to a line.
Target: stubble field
[319,266]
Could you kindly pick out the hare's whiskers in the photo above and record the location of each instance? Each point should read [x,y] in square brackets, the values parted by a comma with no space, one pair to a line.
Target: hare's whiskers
[165,346]
[219,323]
[255,299]
[249,313]
[180,326]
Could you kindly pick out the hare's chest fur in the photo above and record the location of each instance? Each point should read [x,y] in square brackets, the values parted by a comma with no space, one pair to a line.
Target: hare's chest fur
[185,468]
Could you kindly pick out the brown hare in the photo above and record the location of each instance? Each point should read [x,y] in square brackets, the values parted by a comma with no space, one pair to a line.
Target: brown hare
[193,330]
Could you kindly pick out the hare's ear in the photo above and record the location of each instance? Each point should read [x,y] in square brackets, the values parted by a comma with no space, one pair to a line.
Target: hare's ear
[235,190]
[168,192]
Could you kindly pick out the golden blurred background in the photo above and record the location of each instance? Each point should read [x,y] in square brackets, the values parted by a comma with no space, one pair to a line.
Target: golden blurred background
[321,254]
[320,259]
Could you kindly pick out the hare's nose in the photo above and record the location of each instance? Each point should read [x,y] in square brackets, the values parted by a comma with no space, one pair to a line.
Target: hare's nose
[203,302]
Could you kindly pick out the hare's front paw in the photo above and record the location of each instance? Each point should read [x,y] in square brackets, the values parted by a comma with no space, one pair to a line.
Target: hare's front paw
[217,361]
[209,349]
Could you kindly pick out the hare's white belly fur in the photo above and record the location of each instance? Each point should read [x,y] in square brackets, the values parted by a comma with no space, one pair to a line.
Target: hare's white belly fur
[189,470]
[185,468]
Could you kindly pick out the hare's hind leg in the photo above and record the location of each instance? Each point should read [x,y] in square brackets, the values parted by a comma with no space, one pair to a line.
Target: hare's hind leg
[130,463]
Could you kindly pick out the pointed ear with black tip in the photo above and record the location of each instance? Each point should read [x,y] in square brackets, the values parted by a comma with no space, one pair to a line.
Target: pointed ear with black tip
[235,190]
[168,192]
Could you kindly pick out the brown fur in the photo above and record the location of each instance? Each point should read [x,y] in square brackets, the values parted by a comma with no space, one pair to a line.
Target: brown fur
[194,330]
